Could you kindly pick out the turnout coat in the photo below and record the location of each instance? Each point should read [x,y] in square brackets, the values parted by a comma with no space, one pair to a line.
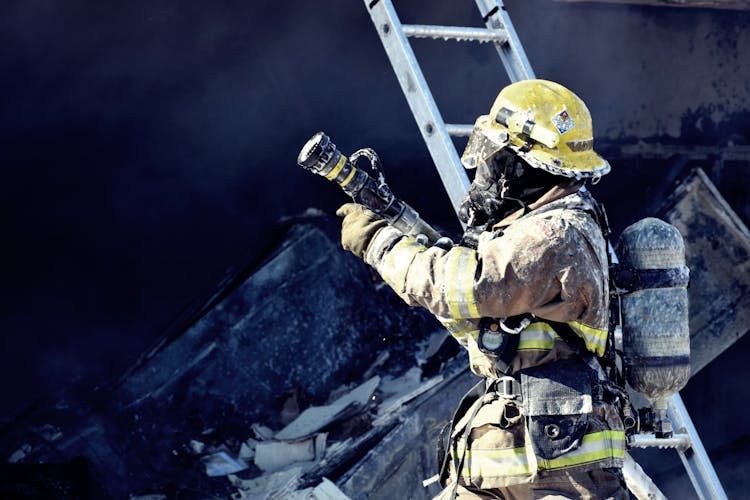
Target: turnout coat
[549,264]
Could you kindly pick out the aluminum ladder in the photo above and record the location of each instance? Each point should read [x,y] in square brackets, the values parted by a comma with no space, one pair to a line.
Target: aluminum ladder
[437,134]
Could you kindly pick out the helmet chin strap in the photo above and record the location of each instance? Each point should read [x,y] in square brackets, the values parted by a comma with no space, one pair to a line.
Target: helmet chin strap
[512,174]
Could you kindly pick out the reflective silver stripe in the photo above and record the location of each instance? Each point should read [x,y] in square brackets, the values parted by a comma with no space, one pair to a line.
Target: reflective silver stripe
[537,336]
[380,244]
[396,262]
[595,447]
[594,338]
[459,328]
[494,463]
[578,146]
[460,268]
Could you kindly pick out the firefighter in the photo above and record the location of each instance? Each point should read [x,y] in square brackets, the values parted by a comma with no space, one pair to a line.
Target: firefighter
[526,293]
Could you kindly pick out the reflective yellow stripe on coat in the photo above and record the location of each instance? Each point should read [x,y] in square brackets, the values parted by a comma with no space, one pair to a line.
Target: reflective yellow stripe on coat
[541,336]
[460,328]
[594,338]
[537,336]
[396,262]
[460,268]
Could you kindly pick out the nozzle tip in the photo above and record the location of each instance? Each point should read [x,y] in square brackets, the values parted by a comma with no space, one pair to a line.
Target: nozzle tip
[310,152]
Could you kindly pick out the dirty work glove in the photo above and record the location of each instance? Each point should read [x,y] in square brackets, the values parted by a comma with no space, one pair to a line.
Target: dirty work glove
[358,227]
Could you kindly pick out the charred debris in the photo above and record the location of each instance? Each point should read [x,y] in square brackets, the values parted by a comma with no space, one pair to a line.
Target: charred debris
[288,374]
[305,377]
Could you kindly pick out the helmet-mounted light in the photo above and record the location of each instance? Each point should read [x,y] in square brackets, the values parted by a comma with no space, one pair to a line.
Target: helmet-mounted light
[520,123]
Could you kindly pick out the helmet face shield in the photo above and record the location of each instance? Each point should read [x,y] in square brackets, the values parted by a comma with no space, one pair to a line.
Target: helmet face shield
[484,142]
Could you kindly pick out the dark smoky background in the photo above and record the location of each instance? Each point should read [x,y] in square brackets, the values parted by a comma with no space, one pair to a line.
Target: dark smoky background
[148,146]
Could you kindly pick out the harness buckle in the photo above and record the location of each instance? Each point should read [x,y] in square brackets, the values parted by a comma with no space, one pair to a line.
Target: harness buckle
[505,387]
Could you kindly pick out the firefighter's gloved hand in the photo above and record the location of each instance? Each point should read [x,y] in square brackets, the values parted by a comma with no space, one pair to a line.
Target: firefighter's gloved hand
[358,227]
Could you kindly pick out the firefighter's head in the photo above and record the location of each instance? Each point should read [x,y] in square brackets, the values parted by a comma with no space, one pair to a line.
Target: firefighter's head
[537,134]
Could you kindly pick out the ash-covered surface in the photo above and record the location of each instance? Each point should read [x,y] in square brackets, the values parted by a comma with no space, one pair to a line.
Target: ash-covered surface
[148,145]
[310,319]
[307,376]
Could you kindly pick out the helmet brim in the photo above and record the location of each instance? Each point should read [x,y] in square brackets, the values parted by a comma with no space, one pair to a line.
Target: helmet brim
[581,165]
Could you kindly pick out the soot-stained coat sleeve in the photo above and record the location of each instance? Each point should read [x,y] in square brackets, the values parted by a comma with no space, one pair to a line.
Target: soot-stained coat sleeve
[541,264]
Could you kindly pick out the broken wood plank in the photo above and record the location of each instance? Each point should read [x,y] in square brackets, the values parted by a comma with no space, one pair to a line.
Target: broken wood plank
[221,464]
[717,250]
[395,403]
[705,4]
[317,417]
[271,456]
[396,466]
[338,463]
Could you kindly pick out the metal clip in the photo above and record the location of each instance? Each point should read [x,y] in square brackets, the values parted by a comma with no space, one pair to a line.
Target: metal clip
[506,387]
[521,325]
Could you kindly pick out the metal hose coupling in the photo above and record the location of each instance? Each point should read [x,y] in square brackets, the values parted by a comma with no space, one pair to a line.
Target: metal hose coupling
[320,155]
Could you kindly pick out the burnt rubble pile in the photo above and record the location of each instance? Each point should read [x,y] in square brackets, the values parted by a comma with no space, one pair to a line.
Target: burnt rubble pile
[369,440]
[299,365]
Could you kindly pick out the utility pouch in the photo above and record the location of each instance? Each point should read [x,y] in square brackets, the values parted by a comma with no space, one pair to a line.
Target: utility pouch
[443,449]
[445,439]
[557,404]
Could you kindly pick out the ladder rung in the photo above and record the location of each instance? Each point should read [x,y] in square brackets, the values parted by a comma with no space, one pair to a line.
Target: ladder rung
[459,130]
[481,35]
[680,441]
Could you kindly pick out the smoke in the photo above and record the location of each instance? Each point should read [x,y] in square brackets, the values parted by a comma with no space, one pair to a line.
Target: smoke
[148,145]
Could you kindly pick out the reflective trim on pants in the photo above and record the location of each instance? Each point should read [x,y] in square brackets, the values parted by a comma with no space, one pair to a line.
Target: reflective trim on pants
[493,463]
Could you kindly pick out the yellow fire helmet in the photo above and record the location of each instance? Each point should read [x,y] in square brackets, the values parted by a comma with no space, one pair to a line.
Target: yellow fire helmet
[545,124]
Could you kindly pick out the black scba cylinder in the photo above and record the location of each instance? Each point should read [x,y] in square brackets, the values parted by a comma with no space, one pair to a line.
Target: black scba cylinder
[654,304]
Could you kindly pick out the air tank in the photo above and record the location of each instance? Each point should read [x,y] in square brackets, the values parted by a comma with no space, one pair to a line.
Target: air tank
[652,281]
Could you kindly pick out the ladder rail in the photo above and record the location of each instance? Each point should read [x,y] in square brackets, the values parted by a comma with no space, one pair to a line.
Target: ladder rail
[419,97]
[695,459]
[511,52]
[638,481]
